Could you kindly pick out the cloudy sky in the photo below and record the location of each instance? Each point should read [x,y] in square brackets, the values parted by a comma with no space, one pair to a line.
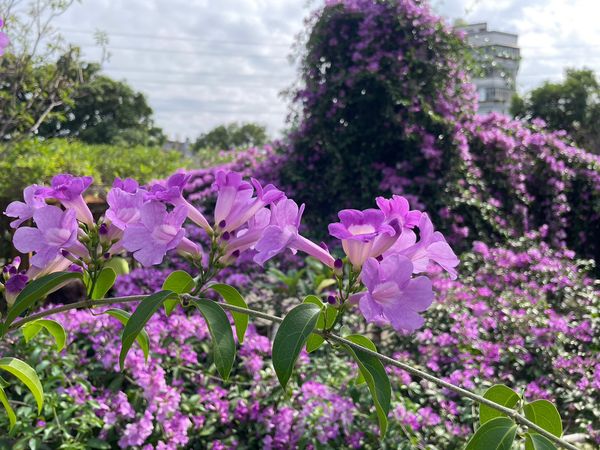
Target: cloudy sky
[202,62]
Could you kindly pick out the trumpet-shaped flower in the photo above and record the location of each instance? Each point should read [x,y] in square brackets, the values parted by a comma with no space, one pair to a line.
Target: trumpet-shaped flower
[364,234]
[124,206]
[282,233]
[431,247]
[246,237]
[23,211]
[235,204]
[173,193]
[128,185]
[158,232]
[56,230]
[69,189]
[397,208]
[392,295]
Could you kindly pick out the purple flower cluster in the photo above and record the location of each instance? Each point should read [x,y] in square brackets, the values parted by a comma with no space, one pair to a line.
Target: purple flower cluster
[381,244]
[4,40]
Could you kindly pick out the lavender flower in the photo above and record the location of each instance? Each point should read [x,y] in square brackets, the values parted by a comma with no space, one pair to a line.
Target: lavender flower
[157,233]
[173,193]
[364,234]
[69,189]
[56,230]
[23,211]
[392,295]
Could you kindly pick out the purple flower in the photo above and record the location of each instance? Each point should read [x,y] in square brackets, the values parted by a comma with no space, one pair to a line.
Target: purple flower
[157,233]
[392,295]
[246,237]
[56,230]
[173,193]
[69,189]
[4,40]
[431,247]
[127,185]
[364,234]
[282,233]
[235,204]
[24,210]
[397,208]
[16,281]
[124,207]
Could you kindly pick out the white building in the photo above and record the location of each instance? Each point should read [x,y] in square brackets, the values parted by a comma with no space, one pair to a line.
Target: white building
[498,55]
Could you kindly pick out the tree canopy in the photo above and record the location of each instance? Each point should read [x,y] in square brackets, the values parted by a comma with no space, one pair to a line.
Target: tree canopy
[233,135]
[573,106]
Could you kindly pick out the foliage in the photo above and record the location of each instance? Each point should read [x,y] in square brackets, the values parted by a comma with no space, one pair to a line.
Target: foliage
[384,106]
[572,105]
[232,136]
[376,77]
[47,90]
[31,92]
[105,111]
[36,161]
[161,401]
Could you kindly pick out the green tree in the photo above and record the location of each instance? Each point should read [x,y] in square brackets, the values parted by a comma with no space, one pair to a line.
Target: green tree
[105,111]
[573,106]
[39,71]
[233,135]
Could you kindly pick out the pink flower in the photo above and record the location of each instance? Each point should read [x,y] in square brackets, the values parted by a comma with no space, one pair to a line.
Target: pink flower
[24,211]
[69,189]
[397,208]
[173,193]
[157,233]
[235,204]
[431,247]
[56,230]
[124,207]
[282,233]
[392,295]
[364,234]
[4,40]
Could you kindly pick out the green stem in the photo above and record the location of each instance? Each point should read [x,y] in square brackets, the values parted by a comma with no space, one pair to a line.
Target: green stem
[332,338]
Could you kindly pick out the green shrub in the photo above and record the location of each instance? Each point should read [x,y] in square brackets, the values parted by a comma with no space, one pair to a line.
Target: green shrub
[36,161]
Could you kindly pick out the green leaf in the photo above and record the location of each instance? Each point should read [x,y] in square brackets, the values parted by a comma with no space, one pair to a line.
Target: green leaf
[378,382]
[326,320]
[27,375]
[544,414]
[535,441]
[500,394]
[221,334]
[119,265]
[147,307]
[291,337]
[12,418]
[233,297]
[55,329]
[315,341]
[325,284]
[495,434]
[36,290]
[105,281]
[365,342]
[179,282]
[142,339]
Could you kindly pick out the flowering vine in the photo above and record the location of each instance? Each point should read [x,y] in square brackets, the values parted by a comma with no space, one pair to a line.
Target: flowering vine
[383,275]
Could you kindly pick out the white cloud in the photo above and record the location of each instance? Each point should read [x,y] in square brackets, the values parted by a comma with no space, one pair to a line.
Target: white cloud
[202,63]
